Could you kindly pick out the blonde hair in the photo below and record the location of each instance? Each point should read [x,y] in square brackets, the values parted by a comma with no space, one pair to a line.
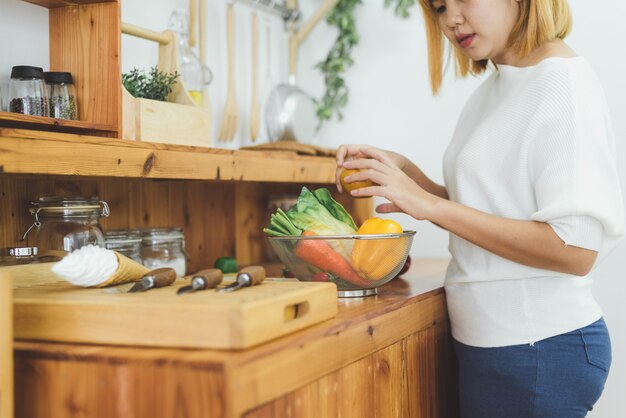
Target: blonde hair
[540,21]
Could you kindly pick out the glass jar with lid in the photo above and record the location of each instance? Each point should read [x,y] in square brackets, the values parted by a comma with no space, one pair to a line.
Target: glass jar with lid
[27,91]
[62,95]
[65,224]
[164,247]
[126,242]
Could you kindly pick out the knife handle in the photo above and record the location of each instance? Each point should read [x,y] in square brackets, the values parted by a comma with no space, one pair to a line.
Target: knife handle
[161,277]
[255,273]
[212,277]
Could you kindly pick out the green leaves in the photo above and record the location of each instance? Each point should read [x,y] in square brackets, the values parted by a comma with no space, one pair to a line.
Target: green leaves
[156,85]
[339,58]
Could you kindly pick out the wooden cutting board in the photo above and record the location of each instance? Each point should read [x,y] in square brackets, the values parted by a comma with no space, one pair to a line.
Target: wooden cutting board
[47,308]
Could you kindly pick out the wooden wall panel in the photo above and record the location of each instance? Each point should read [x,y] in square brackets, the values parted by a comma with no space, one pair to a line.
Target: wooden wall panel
[86,41]
[218,218]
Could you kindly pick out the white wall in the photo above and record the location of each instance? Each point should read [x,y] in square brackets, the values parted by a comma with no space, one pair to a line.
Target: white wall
[390,102]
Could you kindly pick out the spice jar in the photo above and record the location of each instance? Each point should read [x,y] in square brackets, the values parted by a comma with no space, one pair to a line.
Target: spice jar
[163,247]
[126,242]
[62,96]
[65,224]
[17,255]
[27,91]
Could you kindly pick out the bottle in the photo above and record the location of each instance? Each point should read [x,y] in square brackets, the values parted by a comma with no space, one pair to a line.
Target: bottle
[164,247]
[62,96]
[27,91]
[195,76]
[65,224]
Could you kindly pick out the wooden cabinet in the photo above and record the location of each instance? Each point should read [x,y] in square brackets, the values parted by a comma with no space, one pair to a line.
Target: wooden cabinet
[387,356]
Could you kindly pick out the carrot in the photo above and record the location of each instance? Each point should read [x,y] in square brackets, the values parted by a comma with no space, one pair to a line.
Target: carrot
[322,256]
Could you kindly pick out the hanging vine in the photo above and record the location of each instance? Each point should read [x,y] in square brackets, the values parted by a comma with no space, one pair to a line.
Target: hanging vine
[339,57]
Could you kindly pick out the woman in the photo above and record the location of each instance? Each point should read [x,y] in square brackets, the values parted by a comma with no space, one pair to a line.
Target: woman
[531,200]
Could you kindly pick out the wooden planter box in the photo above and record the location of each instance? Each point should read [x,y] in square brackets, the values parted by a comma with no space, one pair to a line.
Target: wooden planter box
[164,122]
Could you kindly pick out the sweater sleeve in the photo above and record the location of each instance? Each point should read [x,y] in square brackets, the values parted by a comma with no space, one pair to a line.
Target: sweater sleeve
[573,165]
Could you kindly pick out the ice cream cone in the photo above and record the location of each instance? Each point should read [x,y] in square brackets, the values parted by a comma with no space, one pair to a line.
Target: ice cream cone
[127,271]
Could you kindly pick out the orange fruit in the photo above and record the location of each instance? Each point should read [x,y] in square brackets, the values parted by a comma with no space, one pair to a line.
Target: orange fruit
[348,187]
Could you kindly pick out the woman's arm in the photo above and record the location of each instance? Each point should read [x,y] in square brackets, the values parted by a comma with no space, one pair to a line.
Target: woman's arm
[530,243]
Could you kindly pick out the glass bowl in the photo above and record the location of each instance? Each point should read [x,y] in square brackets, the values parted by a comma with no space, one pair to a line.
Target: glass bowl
[357,264]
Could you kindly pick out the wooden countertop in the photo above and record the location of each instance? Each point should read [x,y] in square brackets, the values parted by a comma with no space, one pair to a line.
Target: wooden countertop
[363,326]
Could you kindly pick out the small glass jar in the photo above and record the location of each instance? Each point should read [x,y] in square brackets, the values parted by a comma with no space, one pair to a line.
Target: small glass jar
[17,255]
[164,247]
[65,224]
[62,95]
[27,91]
[126,242]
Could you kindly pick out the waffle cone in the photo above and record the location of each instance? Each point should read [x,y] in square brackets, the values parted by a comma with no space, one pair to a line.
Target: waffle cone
[127,271]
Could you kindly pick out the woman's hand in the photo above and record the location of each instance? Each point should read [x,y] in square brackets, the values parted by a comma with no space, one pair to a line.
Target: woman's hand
[354,151]
[392,183]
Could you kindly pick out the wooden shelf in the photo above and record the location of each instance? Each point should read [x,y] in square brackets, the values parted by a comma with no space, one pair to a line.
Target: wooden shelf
[52,4]
[49,153]
[17,120]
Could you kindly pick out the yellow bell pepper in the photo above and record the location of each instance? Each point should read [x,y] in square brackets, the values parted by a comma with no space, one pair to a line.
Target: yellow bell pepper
[376,258]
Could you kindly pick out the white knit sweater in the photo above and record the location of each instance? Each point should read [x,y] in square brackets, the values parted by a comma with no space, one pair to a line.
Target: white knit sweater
[532,143]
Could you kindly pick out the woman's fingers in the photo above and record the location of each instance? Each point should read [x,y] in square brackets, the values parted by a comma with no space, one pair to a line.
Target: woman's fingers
[338,178]
[388,208]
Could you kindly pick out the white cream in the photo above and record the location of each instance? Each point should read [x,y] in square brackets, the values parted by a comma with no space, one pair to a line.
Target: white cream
[87,266]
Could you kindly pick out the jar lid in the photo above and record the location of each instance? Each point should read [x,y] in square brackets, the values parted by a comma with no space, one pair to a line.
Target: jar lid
[80,204]
[18,251]
[58,77]
[162,234]
[123,236]
[26,71]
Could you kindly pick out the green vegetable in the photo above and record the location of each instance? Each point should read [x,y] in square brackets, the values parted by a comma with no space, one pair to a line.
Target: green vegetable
[156,86]
[315,212]
[226,264]
[323,196]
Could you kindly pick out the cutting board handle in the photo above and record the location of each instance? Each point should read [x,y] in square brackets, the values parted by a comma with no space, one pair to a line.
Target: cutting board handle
[296,311]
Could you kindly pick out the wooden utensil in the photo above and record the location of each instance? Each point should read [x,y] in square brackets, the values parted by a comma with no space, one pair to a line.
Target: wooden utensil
[230,116]
[254,102]
[204,279]
[247,277]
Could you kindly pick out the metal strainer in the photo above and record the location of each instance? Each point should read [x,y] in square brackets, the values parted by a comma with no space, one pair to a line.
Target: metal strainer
[368,261]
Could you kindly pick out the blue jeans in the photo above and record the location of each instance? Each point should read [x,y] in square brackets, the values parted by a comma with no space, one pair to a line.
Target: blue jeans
[559,377]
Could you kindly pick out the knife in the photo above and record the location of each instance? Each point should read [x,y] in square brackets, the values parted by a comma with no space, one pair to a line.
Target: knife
[204,279]
[248,276]
[155,278]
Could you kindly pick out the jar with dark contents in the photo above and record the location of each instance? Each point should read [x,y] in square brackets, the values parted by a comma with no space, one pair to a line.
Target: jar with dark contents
[126,242]
[62,95]
[27,91]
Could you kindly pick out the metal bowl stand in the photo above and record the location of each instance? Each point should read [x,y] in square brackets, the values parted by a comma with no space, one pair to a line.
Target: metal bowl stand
[357,293]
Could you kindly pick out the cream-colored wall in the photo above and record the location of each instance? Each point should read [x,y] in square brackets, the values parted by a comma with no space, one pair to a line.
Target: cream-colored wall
[390,103]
